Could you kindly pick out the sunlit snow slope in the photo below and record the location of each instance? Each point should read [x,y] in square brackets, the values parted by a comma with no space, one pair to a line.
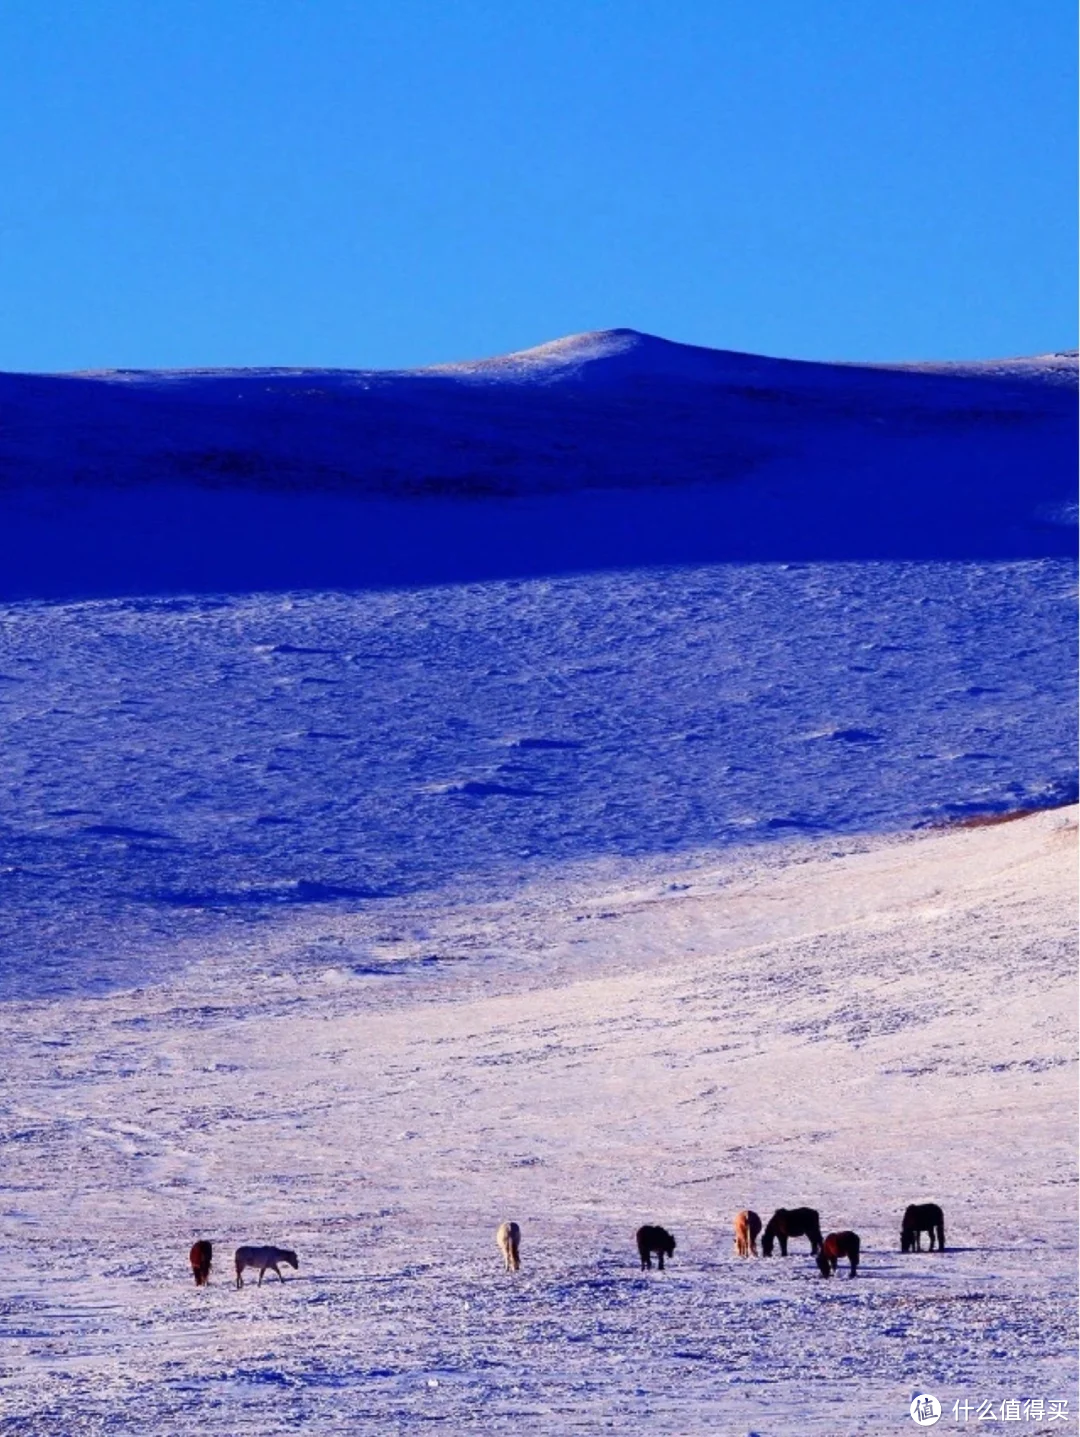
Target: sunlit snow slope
[601,450]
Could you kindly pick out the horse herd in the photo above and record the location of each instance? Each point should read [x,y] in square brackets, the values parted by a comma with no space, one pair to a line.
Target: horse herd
[655,1242]
[787,1223]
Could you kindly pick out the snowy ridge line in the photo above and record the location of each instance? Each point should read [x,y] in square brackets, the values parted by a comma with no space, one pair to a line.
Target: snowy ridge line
[622,350]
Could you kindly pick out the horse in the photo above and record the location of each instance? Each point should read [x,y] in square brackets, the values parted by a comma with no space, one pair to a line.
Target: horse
[263,1258]
[920,1218]
[747,1227]
[836,1246]
[654,1239]
[200,1257]
[508,1238]
[791,1222]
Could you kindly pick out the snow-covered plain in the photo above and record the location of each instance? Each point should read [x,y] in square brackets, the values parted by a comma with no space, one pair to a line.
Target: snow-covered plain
[854,1023]
[357,919]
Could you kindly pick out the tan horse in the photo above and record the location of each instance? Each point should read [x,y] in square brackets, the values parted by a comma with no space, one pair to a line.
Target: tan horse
[509,1239]
[747,1227]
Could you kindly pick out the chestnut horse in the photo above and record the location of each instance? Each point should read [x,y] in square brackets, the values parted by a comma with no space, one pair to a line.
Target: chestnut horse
[791,1222]
[200,1257]
[836,1246]
[920,1218]
[747,1227]
[654,1239]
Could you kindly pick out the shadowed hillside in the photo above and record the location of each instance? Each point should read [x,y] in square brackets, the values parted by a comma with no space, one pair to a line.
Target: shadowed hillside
[602,450]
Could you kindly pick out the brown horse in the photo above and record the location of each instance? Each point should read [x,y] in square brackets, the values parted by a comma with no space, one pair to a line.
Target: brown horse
[654,1239]
[200,1257]
[836,1246]
[747,1227]
[920,1218]
[791,1222]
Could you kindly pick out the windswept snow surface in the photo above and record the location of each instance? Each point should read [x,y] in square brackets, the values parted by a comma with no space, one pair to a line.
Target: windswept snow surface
[855,1024]
[183,767]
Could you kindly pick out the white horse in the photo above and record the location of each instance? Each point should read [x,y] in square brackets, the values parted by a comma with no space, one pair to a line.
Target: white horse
[509,1239]
[263,1258]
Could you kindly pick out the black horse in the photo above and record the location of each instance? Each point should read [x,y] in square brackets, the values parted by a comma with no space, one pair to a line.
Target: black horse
[920,1218]
[836,1246]
[654,1239]
[791,1222]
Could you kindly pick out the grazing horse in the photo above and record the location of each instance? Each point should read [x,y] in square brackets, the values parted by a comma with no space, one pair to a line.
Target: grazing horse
[920,1218]
[263,1258]
[509,1239]
[654,1239]
[791,1222]
[747,1227]
[836,1246]
[200,1258]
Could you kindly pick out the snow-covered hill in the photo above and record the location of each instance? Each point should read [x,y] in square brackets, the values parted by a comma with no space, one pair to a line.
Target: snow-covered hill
[604,450]
[570,787]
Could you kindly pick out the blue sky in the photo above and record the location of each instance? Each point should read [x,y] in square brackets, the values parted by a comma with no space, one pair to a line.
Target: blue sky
[206,182]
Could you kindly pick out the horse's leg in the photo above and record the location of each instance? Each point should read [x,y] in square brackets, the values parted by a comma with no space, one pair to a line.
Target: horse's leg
[941,1236]
[660,1261]
[278,1271]
[783,1244]
[262,1274]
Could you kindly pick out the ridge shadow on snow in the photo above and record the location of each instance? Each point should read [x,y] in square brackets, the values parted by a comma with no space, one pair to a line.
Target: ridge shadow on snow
[599,451]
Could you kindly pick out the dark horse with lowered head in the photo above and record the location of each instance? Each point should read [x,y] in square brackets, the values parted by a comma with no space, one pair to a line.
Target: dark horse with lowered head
[791,1222]
[919,1218]
[836,1246]
[656,1240]
[201,1256]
